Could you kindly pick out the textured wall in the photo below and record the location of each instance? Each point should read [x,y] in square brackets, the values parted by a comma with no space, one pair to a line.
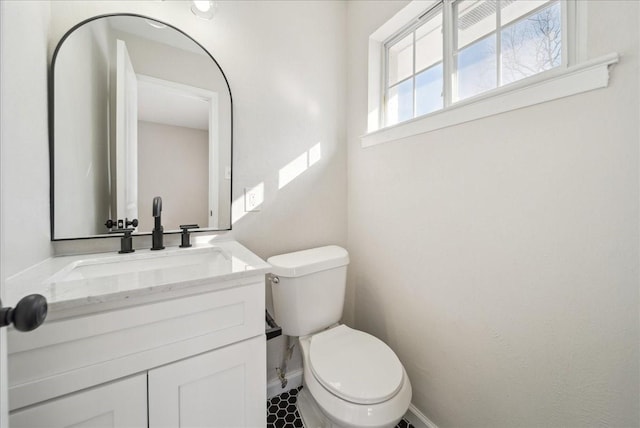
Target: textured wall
[499,258]
[24,233]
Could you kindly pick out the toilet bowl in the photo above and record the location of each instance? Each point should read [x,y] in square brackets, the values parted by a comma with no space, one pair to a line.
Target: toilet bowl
[351,379]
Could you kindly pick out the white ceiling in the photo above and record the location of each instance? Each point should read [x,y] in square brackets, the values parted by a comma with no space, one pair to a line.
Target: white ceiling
[161,104]
[142,28]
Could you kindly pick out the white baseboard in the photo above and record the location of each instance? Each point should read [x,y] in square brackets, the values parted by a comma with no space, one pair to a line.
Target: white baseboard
[418,419]
[294,380]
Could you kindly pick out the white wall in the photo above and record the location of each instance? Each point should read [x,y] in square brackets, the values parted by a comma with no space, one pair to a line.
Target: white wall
[162,151]
[24,168]
[499,258]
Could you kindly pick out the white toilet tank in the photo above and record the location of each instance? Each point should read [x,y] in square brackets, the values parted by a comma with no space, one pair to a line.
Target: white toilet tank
[308,294]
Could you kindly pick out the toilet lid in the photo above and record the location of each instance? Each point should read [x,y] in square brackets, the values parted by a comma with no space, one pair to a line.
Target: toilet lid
[355,366]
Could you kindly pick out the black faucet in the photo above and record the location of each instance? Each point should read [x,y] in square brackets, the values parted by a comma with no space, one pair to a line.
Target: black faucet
[157,233]
[185,234]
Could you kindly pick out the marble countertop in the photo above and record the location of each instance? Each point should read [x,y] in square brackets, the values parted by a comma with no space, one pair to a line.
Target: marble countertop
[93,282]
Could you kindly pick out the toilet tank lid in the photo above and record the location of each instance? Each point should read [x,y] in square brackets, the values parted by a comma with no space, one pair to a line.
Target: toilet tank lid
[305,262]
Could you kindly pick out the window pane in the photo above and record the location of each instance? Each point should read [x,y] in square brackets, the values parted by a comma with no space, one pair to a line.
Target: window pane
[400,103]
[475,56]
[512,10]
[476,69]
[532,44]
[400,60]
[474,20]
[429,90]
[429,42]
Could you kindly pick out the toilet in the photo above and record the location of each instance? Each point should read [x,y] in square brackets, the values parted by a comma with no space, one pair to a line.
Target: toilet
[351,378]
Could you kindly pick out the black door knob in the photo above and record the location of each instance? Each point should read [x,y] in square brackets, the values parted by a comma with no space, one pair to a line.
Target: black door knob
[29,313]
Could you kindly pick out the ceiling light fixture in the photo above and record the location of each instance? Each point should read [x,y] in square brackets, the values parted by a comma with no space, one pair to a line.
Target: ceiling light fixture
[204,9]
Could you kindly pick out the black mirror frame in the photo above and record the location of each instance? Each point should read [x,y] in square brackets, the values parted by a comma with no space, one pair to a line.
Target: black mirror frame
[52,122]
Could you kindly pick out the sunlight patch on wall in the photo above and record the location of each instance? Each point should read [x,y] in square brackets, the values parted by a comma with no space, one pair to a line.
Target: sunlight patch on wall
[237,210]
[299,165]
[315,153]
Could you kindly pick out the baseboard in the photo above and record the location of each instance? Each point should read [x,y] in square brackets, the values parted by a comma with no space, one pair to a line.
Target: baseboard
[418,419]
[294,380]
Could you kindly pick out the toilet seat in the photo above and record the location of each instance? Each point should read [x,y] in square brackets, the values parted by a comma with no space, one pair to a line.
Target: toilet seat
[344,413]
[355,366]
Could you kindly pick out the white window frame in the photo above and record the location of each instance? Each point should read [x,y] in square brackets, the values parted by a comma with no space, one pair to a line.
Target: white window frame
[575,75]
[413,26]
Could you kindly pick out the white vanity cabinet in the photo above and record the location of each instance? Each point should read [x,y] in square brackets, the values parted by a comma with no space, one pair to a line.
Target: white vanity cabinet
[189,355]
[220,388]
[122,403]
[216,389]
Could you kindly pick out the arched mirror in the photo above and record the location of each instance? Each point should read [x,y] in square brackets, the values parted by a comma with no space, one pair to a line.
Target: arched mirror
[138,110]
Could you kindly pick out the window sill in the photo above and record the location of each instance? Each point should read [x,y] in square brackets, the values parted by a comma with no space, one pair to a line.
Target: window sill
[552,85]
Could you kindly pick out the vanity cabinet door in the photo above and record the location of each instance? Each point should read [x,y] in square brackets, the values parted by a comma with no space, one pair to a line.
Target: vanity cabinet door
[118,404]
[224,388]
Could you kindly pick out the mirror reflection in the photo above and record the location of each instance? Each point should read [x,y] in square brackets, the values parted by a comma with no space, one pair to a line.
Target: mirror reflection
[140,110]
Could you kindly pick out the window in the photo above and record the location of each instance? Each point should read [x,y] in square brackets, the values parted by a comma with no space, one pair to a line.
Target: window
[439,63]
[500,42]
[485,44]
[414,69]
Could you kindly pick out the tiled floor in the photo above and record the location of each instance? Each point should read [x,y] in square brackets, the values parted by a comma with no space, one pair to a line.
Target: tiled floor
[282,412]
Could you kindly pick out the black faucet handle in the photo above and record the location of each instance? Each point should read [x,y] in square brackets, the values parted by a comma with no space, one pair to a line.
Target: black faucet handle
[126,242]
[189,226]
[110,223]
[133,222]
[186,235]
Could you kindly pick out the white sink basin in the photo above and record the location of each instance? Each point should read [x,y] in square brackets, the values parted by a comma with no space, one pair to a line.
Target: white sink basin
[77,283]
[138,263]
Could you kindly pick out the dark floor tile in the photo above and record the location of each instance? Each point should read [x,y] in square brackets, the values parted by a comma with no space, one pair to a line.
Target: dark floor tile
[282,412]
